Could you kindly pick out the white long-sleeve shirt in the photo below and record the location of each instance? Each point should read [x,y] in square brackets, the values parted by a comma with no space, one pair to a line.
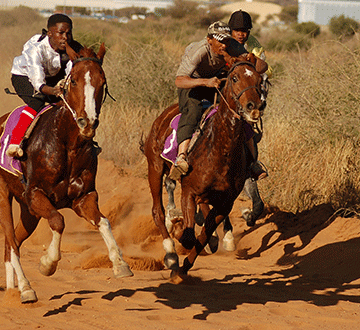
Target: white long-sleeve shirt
[38,61]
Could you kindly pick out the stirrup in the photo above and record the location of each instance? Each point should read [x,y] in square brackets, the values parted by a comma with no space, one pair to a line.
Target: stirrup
[180,168]
[14,150]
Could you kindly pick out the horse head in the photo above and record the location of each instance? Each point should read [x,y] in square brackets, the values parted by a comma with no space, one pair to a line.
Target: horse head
[84,88]
[243,86]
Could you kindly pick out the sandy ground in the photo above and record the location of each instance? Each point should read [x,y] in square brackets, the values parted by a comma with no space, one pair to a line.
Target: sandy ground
[291,271]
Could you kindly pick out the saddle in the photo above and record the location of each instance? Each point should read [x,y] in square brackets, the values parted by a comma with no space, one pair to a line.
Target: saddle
[170,150]
[7,163]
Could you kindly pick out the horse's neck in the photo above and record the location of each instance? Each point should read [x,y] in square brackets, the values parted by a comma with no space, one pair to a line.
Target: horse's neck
[226,128]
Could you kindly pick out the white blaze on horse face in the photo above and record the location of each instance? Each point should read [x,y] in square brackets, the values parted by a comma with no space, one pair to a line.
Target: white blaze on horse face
[89,90]
[248,72]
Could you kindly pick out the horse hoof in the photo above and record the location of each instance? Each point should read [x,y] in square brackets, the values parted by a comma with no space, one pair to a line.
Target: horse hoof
[228,242]
[180,272]
[213,245]
[122,271]
[28,296]
[188,238]
[248,216]
[171,261]
[47,269]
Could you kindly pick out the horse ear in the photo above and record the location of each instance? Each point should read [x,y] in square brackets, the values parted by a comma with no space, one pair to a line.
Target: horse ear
[260,65]
[71,53]
[101,53]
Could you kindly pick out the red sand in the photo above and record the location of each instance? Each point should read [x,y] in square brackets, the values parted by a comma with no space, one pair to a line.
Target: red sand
[288,272]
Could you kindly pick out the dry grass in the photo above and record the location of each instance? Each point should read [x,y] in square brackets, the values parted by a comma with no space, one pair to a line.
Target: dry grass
[312,129]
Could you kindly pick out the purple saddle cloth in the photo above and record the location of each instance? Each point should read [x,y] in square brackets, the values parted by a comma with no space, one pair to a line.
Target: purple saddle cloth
[7,163]
[171,146]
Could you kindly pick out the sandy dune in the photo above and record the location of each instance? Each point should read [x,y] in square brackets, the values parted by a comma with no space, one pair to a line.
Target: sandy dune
[288,272]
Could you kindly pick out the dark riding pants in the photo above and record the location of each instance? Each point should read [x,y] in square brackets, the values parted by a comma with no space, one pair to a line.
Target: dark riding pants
[26,92]
[191,108]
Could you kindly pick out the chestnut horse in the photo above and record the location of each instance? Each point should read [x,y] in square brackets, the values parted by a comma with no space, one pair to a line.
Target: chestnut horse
[59,172]
[218,163]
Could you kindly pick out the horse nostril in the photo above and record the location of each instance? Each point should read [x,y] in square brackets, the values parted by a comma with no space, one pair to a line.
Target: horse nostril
[82,122]
[250,106]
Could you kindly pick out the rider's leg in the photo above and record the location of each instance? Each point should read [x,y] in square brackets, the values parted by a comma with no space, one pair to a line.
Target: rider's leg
[190,107]
[34,104]
[256,170]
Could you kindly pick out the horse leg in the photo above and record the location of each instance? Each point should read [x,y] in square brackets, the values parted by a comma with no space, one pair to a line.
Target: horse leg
[188,238]
[171,259]
[170,186]
[213,244]
[251,190]
[12,252]
[87,207]
[42,207]
[228,239]
[211,223]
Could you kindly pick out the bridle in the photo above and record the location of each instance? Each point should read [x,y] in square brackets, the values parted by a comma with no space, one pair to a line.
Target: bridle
[68,79]
[239,108]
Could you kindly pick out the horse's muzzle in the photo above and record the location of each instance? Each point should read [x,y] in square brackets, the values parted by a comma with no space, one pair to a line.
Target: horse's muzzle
[87,129]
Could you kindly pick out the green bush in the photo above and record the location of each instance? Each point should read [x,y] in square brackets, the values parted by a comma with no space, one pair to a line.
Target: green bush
[288,42]
[343,26]
[310,28]
[182,9]
[289,14]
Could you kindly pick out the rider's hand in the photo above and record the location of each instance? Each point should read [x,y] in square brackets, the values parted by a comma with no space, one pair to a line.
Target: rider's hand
[213,82]
[57,90]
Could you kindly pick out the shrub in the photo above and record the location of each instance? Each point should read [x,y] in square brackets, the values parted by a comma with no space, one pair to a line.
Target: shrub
[343,26]
[289,14]
[310,28]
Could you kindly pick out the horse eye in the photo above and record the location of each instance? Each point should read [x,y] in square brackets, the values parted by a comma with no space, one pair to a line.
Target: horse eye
[73,82]
[234,79]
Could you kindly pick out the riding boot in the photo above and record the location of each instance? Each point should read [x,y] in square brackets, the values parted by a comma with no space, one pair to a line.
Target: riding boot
[181,166]
[26,117]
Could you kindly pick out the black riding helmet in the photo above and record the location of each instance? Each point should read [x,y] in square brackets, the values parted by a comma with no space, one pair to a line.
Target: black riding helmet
[240,20]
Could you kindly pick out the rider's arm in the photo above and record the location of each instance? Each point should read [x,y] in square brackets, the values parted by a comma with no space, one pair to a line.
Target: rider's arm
[188,82]
[48,90]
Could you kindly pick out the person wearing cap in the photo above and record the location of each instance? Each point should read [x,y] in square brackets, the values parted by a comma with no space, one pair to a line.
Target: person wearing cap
[36,72]
[240,24]
[196,80]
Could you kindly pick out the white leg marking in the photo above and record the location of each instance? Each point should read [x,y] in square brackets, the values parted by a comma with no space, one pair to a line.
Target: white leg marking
[10,275]
[54,253]
[229,242]
[49,261]
[120,267]
[169,245]
[106,233]
[22,280]
[89,90]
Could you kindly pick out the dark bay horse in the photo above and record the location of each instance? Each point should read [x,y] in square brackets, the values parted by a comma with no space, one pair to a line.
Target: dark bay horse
[217,162]
[59,172]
